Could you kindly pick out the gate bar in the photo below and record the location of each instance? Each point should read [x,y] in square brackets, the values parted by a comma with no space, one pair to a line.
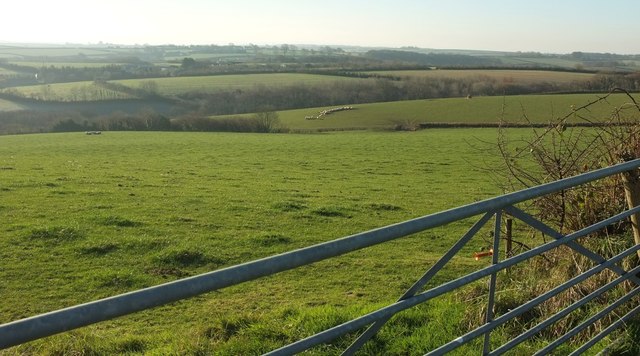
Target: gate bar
[489,326]
[590,321]
[399,306]
[606,331]
[564,312]
[373,329]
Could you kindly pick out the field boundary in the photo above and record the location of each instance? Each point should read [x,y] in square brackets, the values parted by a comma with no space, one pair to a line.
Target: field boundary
[446,125]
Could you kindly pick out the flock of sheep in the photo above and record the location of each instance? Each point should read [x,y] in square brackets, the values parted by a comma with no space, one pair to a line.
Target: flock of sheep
[322,113]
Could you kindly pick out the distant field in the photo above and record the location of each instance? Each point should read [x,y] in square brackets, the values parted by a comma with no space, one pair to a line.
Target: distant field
[523,77]
[107,214]
[75,91]
[9,106]
[58,64]
[538,61]
[181,85]
[538,108]
[209,56]
[173,86]
[4,71]
[30,52]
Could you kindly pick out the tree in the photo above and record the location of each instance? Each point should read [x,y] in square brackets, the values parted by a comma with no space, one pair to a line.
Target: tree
[68,125]
[267,121]
[188,63]
[285,49]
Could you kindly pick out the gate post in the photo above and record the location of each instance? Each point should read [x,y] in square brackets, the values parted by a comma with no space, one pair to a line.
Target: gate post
[631,183]
[509,236]
[495,258]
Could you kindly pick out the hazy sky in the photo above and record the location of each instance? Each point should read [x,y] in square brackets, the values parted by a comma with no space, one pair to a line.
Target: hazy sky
[558,26]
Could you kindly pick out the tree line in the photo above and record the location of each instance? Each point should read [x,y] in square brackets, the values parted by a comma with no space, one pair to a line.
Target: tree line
[23,122]
[386,89]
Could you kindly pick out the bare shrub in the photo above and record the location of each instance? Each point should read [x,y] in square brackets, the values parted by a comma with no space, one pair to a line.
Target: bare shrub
[267,121]
[559,151]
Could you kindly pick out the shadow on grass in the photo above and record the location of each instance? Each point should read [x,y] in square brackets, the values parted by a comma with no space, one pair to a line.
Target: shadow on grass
[332,211]
[100,249]
[186,258]
[55,234]
[119,222]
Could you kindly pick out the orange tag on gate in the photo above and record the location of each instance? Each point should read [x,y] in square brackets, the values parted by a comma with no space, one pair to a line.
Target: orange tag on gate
[478,255]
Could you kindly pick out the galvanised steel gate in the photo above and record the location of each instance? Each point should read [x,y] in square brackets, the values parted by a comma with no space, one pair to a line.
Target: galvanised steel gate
[62,320]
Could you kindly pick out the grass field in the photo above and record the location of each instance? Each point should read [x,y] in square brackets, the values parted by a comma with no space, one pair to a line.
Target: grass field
[181,85]
[521,77]
[86,217]
[538,108]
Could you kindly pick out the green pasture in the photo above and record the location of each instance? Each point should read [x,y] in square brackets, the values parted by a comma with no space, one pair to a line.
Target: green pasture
[513,76]
[181,85]
[478,110]
[86,217]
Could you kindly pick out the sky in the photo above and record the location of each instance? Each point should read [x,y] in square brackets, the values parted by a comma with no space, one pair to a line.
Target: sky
[548,26]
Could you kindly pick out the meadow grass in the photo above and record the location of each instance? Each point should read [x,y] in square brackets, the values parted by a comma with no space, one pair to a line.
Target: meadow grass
[478,110]
[87,217]
[507,76]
